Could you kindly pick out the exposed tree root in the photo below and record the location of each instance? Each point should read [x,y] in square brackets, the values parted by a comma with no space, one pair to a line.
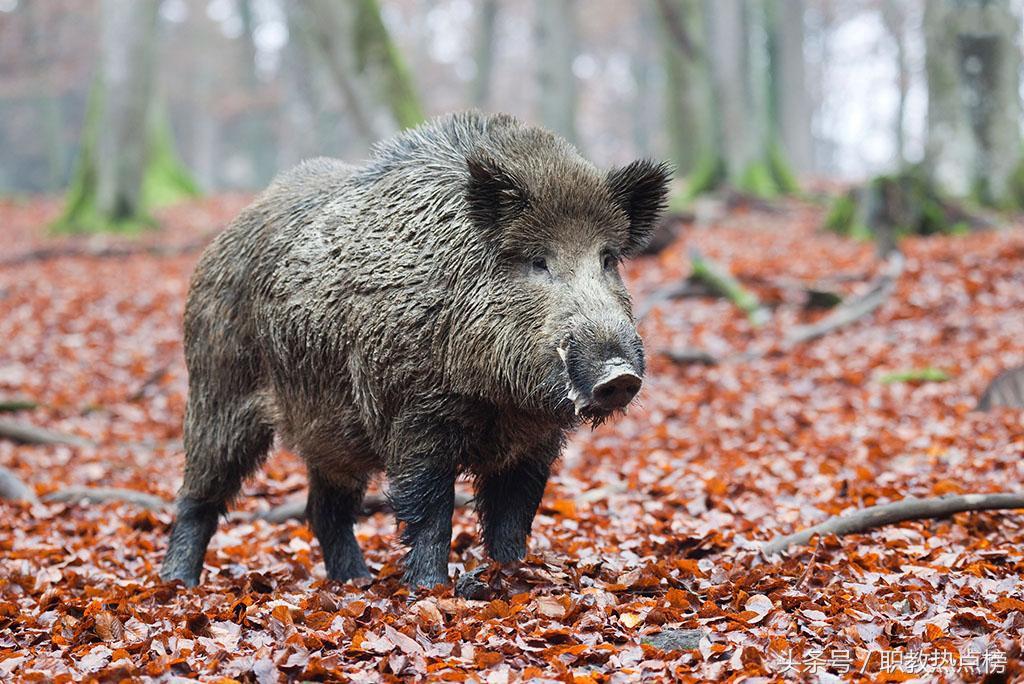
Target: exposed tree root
[373,503]
[718,278]
[114,251]
[13,489]
[895,512]
[855,308]
[30,434]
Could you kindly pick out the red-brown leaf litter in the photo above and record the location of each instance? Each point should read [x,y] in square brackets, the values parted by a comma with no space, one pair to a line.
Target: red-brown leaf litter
[652,523]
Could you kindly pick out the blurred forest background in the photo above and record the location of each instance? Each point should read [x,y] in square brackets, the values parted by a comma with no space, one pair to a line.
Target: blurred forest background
[214,95]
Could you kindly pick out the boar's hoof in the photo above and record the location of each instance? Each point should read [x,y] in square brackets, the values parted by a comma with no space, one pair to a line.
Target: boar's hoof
[175,575]
[424,580]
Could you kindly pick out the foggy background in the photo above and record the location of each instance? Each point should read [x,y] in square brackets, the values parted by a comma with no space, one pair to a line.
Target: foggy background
[248,91]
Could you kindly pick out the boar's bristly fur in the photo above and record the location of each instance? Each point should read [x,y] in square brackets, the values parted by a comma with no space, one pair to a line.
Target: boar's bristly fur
[453,306]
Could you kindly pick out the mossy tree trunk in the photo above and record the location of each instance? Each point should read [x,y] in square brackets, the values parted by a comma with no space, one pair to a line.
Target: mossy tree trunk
[789,106]
[689,113]
[126,161]
[364,63]
[749,150]
[973,68]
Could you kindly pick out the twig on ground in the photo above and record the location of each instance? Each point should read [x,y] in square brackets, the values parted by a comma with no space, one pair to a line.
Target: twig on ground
[30,434]
[855,308]
[13,489]
[810,565]
[898,511]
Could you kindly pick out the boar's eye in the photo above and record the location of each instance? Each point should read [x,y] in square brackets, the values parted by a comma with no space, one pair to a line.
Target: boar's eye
[609,260]
[539,265]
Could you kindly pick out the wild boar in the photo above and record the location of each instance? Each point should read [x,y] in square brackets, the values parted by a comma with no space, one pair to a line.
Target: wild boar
[454,306]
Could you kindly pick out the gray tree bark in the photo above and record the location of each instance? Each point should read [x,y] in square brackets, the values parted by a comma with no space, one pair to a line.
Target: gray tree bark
[127,64]
[973,72]
[365,64]
[555,33]
[689,117]
[739,82]
[894,18]
[487,16]
[792,109]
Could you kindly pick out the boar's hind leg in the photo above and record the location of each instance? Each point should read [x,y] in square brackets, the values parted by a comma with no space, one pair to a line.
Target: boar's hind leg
[506,502]
[332,510]
[224,443]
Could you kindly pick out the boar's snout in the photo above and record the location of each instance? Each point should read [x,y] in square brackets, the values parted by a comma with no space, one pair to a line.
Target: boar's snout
[618,385]
[605,367]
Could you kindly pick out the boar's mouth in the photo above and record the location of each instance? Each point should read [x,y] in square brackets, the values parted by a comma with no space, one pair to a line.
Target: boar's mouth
[614,384]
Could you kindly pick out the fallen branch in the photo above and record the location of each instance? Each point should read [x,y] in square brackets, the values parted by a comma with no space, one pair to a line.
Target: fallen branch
[151,379]
[691,356]
[899,511]
[372,503]
[12,488]
[107,251]
[855,308]
[290,510]
[30,434]
[95,495]
[719,279]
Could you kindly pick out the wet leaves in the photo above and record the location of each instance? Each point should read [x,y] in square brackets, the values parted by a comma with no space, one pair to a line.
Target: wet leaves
[644,560]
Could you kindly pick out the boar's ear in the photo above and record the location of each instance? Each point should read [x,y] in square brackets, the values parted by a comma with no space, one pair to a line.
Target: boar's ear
[493,195]
[641,190]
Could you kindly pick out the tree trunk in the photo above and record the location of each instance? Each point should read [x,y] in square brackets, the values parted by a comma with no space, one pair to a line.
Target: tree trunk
[126,162]
[688,96]
[894,18]
[740,76]
[364,63]
[127,69]
[790,107]
[484,52]
[973,66]
[555,33]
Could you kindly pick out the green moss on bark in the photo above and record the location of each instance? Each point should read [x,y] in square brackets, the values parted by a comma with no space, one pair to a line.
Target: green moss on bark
[164,181]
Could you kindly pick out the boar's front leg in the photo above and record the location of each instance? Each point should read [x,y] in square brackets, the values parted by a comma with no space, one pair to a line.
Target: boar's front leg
[422,493]
[507,501]
[332,509]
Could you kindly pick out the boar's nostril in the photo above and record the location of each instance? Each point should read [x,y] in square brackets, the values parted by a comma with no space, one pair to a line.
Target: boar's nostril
[616,389]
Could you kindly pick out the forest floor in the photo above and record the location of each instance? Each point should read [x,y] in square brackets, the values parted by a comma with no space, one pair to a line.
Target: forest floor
[652,522]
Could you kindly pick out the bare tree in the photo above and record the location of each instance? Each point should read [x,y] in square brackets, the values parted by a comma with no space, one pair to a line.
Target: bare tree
[365,65]
[973,69]
[487,11]
[790,111]
[688,97]
[555,33]
[895,19]
[739,64]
